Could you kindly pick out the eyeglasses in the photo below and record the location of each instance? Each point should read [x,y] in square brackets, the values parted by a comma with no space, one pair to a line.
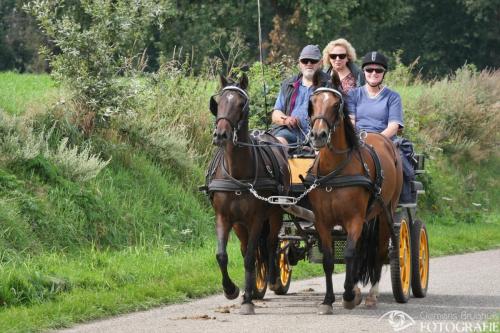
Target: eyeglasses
[308,61]
[334,56]
[376,70]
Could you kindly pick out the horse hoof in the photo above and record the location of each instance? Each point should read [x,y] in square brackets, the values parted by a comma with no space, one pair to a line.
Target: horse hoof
[325,309]
[357,297]
[371,301]
[349,305]
[234,294]
[355,301]
[247,309]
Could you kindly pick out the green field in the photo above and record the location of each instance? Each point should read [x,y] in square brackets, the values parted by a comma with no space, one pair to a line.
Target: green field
[27,92]
[139,234]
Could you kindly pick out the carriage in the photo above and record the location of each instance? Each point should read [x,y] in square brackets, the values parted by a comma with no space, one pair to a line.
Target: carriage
[408,255]
[348,214]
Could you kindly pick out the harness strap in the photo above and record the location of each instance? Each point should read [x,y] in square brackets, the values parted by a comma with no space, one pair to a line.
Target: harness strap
[243,185]
[322,180]
[342,181]
[274,168]
[230,184]
[379,179]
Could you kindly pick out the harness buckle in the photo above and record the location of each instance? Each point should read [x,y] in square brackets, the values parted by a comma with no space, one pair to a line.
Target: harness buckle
[235,136]
[237,192]
[282,200]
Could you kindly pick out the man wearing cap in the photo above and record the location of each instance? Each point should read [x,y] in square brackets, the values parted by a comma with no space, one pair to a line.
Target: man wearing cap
[290,114]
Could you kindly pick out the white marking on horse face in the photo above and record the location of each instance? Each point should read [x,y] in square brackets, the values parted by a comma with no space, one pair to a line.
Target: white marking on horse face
[230,96]
[326,97]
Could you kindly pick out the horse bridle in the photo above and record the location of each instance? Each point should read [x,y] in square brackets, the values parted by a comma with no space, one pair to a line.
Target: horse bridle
[245,110]
[340,111]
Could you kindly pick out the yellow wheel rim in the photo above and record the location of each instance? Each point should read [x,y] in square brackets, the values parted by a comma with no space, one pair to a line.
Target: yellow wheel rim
[423,258]
[404,256]
[284,266]
[260,268]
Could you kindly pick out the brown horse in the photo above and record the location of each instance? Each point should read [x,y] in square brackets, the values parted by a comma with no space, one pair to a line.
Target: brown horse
[358,189]
[241,164]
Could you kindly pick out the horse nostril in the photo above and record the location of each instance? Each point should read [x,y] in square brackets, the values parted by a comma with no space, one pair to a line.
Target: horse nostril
[322,135]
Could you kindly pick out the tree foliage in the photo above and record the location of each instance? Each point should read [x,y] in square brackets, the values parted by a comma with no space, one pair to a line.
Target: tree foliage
[96,40]
[443,35]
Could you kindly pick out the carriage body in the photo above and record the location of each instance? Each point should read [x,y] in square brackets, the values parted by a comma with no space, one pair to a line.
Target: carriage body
[408,253]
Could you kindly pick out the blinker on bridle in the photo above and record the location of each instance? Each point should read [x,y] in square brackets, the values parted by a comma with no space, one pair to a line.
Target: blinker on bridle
[214,108]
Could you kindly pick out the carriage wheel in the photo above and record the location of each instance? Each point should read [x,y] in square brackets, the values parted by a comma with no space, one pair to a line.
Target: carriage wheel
[260,287]
[400,259]
[420,259]
[284,269]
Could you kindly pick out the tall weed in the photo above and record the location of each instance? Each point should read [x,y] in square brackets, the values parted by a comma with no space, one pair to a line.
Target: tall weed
[461,114]
[20,143]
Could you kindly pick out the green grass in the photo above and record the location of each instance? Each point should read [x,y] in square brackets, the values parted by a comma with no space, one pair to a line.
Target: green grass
[21,93]
[93,284]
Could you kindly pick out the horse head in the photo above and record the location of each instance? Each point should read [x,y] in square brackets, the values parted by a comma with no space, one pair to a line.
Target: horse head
[230,107]
[326,110]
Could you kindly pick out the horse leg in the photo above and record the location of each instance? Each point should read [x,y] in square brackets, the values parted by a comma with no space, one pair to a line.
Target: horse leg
[371,299]
[275,222]
[352,295]
[325,235]
[231,291]
[242,234]
[247,307]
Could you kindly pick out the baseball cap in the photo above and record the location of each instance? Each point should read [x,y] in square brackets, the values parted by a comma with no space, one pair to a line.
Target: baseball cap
[310,52]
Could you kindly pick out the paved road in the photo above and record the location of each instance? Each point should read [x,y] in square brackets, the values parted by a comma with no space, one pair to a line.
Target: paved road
[464,293]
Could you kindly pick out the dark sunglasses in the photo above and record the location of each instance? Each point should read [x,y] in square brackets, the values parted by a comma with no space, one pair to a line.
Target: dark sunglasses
[376,70]
[307,61]
[334,56]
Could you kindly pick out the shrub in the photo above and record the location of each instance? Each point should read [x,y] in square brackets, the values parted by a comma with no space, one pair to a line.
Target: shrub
[96,42]
[461,114]
[19,143]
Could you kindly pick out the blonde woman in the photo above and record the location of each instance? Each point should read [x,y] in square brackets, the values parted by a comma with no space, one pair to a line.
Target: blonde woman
[340,56]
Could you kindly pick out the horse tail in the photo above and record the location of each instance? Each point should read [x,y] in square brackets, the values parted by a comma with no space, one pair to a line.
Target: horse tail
[368,254]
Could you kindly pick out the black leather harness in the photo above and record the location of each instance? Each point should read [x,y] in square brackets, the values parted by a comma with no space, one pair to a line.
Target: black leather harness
[335,180]
[261,153]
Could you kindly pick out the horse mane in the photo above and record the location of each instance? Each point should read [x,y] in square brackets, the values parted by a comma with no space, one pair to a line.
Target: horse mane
[350,132]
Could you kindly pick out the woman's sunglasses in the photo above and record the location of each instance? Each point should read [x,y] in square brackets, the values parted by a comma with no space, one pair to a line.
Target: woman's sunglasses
[307,61]
[334,56]
[376,70]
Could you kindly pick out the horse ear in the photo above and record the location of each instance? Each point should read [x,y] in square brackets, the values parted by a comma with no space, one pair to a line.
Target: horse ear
[243,81]
[336,80]
[310,108]
[222,80]
[213,106]
[317,78]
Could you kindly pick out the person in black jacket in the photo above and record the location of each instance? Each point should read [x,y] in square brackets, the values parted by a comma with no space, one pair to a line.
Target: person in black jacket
[290,116]
[339,55]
